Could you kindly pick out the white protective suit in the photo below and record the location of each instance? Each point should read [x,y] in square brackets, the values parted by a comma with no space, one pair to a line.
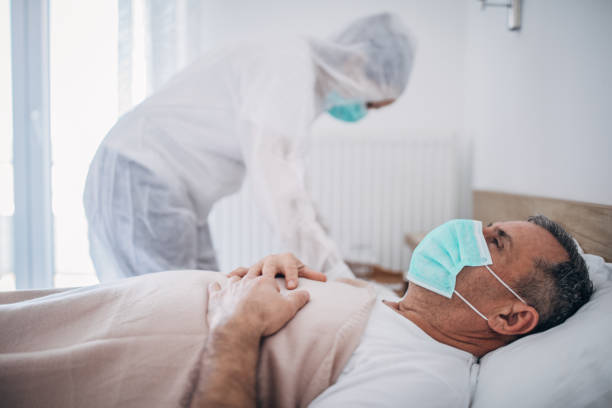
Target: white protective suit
[246,108]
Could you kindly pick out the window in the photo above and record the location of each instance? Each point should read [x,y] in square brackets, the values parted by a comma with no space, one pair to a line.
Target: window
[64,82]
[84,106]
[7,204]
[74,67]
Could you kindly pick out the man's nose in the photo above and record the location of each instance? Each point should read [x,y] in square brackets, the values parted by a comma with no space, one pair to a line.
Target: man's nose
[488,231]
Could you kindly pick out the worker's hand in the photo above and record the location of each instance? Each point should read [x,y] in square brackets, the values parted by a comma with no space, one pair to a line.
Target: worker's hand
[252,306]
[283,264]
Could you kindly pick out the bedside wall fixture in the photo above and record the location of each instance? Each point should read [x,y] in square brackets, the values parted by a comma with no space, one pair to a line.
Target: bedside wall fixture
[514,11]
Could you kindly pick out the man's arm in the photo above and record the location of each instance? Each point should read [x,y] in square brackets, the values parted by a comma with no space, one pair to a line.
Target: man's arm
[239,315]
[227,369]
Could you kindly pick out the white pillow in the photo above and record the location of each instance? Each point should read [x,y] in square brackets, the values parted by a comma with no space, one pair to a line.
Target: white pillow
[567,366]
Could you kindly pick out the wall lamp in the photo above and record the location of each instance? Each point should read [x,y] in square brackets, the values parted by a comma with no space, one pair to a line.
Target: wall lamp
[514,11]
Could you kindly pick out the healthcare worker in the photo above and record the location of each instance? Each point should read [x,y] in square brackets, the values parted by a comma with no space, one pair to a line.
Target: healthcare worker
[243,109]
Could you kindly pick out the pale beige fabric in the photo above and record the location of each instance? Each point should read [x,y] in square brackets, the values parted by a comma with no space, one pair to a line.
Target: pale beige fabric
[135,342]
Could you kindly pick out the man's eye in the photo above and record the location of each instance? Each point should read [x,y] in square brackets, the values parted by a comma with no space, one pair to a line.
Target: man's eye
[496,242]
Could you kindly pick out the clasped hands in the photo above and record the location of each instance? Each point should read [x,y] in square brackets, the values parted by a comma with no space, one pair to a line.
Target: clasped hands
[251,303]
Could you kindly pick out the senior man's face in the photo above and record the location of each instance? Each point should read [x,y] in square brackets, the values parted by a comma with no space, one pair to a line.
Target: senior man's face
[515,246]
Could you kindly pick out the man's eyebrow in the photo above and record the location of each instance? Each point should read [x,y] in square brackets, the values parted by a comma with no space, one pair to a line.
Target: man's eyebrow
[503,234]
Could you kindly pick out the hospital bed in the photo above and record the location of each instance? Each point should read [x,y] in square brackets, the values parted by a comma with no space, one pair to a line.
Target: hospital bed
[569,365]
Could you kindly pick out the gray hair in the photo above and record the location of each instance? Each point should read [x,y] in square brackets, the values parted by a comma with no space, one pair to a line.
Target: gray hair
[556,291]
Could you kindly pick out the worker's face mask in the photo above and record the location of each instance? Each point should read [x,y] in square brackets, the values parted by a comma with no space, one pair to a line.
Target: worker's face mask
[444,252]
[345,110]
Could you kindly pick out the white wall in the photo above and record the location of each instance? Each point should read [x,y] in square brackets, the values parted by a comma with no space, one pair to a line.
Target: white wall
[435,93]
[539,101]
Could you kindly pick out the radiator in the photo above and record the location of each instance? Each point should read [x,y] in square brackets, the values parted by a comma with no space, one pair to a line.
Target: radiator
[370,190]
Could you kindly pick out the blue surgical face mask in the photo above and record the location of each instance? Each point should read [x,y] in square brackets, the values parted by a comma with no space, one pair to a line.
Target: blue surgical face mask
[346,110]
[444,252]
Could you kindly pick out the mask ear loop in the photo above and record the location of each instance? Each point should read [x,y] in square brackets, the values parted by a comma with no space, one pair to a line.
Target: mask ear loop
[500,281]
[505,285]
[470,305]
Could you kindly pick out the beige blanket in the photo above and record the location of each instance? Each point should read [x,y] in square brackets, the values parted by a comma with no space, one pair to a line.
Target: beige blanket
[135,342]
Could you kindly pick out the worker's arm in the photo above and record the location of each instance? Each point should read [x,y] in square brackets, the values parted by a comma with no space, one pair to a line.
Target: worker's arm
[275,167]
[239,316]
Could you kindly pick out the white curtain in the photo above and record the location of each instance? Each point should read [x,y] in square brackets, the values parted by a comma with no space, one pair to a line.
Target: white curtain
[156,39]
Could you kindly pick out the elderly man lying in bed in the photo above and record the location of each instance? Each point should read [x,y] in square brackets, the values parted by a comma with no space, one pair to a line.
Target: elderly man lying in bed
[472,290]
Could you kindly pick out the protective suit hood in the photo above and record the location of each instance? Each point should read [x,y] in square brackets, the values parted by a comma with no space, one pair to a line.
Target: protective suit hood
[370,60]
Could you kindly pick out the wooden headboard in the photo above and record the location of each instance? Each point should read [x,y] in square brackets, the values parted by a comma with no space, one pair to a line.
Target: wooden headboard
[590,224]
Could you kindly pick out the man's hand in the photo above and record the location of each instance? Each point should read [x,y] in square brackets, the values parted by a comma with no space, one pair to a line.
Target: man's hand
[239,314]
[252,304]
[284,264]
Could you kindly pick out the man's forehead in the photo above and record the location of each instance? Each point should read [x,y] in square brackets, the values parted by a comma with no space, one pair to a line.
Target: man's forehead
[534,241]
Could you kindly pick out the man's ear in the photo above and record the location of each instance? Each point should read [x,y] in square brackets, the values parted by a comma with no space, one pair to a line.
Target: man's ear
[514,320]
